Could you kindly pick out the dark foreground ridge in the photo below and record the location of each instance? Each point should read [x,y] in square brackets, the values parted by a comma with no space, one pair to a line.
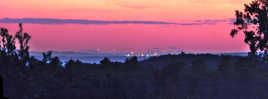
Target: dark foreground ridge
[183,76]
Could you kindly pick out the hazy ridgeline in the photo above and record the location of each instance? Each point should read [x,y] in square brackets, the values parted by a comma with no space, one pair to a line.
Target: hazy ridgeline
[92,58]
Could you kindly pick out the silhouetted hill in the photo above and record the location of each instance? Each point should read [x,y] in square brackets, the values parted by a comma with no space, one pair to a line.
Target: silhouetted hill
[183,76]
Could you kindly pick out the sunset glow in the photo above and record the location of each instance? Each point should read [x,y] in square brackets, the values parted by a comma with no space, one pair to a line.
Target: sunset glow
[212,37]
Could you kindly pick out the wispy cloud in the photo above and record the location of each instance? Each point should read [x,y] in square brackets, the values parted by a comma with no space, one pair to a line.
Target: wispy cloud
[74,21]
[208,22]
[81,21]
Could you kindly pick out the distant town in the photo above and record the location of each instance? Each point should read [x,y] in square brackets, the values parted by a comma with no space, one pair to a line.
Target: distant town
[115,52]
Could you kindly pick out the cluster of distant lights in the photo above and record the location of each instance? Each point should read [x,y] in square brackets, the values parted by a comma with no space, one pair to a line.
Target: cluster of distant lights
[142,54]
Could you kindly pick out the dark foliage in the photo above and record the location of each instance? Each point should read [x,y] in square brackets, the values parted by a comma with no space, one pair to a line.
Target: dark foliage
[105,61]
[7,44]
[47,57]
[132,60]
[253,22]
[23,39]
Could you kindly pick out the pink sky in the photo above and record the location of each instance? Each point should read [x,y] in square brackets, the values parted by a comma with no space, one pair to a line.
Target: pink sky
[196,38]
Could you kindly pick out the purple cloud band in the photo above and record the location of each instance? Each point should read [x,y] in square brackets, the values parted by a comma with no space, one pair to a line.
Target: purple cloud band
[82,21]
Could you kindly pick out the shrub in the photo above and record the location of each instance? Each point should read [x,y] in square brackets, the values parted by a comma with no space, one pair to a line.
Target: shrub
[105,61]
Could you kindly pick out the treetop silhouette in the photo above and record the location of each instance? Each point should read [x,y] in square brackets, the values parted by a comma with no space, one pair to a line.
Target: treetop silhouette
[253,22]
[23,39]
[8,44]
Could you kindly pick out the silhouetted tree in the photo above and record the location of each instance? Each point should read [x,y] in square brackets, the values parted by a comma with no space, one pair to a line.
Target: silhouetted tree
[132,60]
[253,22]
[55,61]
[182,53]
[132,64]
[23,39]
[47,57]
[8,43]
[55,66]
[70,62]
[105,61]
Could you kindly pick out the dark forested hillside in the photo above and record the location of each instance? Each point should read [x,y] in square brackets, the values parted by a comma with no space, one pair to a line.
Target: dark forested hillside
[165,77]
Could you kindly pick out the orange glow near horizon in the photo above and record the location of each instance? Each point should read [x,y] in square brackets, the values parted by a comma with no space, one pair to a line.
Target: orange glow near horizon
[162,10]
